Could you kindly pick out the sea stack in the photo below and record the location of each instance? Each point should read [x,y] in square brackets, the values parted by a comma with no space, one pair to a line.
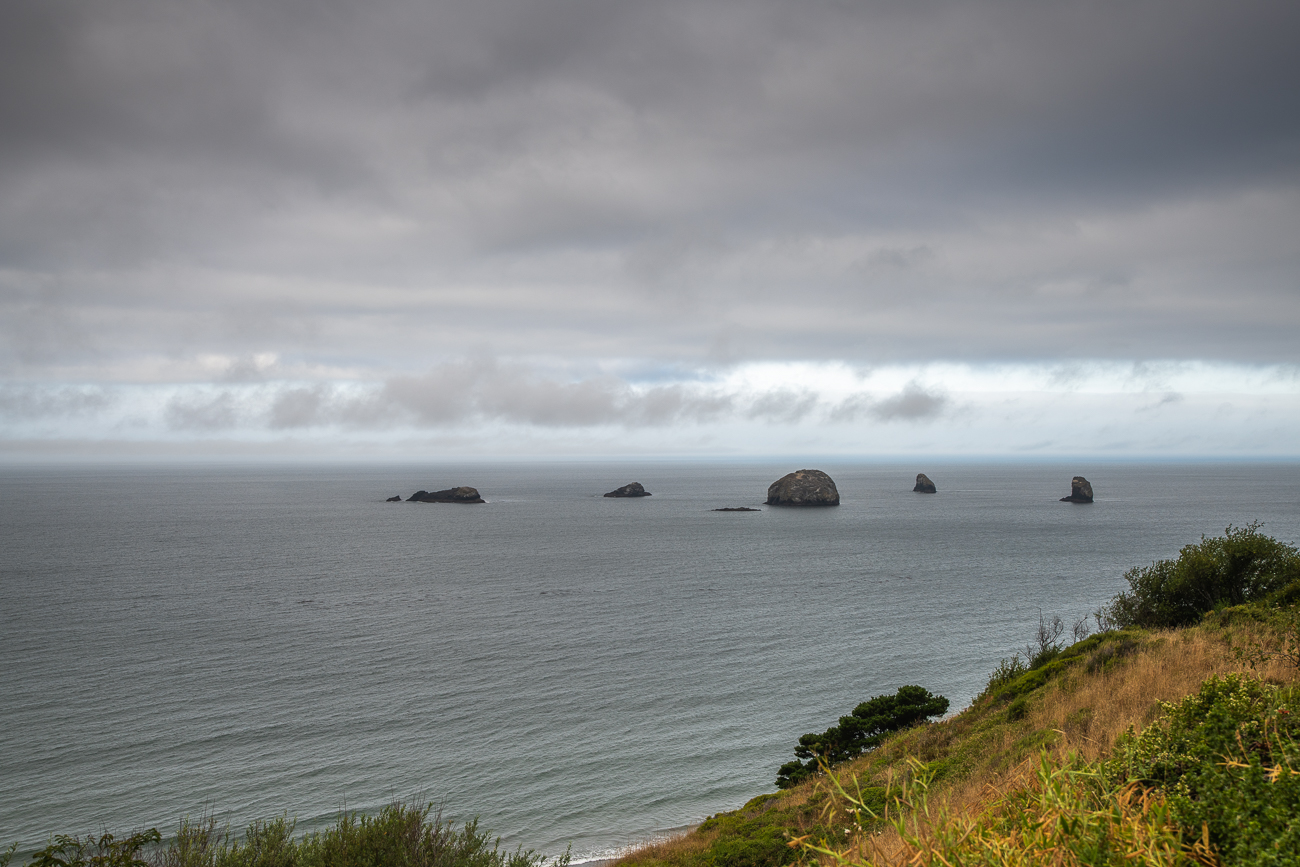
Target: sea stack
[1080,491]
[803,488]
[396,499]
[463,494]
[631,489]
[924,485]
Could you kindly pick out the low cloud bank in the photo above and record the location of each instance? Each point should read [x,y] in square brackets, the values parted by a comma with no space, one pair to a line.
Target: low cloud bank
[492,406]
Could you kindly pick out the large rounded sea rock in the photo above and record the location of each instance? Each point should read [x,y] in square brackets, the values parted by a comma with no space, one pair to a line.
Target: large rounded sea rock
[924,485]
[803,488]
[463,494]
[1080,491]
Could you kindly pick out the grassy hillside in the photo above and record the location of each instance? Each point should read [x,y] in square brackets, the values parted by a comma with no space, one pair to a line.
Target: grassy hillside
[1047,766]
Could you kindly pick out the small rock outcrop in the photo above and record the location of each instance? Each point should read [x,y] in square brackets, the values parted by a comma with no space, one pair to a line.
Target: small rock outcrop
[803,488]
[632,489]
[1080,491]
[463,494]
[924,485]
[393,500]
[738,509]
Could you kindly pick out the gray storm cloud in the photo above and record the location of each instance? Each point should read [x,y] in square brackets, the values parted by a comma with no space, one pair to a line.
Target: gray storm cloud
[914,403]
[203,412]
[58,403]
[911,404]
[484,390]
[491,391]
[372,192]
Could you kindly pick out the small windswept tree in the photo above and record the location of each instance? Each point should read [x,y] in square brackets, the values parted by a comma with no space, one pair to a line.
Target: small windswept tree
[861,731]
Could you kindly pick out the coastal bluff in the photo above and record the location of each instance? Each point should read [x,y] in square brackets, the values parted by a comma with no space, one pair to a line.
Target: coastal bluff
[803,488]
[463,494]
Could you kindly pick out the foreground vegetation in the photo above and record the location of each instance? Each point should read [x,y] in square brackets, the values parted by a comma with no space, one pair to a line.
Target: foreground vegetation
[860,732]
[400,836]
[1170,737]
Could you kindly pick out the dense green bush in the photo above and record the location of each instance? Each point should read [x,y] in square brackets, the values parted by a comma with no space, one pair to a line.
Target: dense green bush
[860,731]
[1226,759]
[1242,565]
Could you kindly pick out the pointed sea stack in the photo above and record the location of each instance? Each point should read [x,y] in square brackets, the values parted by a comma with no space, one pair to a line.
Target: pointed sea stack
[803,488]
[463,494]
[631,489]
[924,485]
[1080,491]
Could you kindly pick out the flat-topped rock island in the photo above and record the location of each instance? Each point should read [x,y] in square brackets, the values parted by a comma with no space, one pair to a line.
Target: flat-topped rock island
[631,489]
[463,494]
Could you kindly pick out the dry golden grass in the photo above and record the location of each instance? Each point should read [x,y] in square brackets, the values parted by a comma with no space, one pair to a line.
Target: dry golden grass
[1057,816]
[677,851]
[1081,711]
[1092,710]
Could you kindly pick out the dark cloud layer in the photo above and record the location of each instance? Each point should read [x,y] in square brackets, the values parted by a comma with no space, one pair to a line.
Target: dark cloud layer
[384,186]
[58,404]
[485,391]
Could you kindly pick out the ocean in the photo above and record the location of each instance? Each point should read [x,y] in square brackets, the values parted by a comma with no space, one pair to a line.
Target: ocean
[258,641]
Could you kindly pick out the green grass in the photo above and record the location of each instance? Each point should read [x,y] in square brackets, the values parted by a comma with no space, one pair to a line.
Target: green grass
[401,835]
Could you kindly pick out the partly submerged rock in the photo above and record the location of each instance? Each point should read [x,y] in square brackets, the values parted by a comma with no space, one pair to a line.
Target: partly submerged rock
[738,509]
[632,489]
[1080,491]
[803,488]
[924,485]
[463,494]
[393,500]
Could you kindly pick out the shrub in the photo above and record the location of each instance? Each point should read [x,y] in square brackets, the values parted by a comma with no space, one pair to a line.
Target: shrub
[860,731]
[1225,760]
[1107,654]
[103,851]
[1243,565]
[1007,671]
[400,836]
[1046,645]
[266,844]
[753,844]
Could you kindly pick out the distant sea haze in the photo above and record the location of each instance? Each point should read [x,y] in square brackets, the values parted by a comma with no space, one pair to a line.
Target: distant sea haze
[569,667]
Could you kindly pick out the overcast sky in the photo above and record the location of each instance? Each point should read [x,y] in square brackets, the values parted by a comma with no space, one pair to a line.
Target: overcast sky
[531,227]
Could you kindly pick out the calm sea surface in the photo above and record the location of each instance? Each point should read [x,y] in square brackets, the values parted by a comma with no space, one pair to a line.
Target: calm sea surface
[572,669]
